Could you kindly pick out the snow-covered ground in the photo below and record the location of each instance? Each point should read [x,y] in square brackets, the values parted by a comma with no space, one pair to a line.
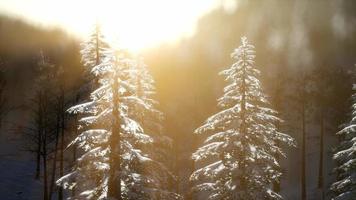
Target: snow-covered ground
[17,167]
[17,179]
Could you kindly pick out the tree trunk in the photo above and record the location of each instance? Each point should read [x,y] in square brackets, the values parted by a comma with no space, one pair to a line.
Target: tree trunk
[43,127]
[54,164]
[114,182]
[62,114]
[44,155]
[241,158]
[38,159]
[97,53]
[321,155]
[303,175]
[176,166]
[39,145]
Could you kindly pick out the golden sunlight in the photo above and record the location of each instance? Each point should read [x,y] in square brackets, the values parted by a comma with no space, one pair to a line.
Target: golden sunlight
[134,24]
[177,99]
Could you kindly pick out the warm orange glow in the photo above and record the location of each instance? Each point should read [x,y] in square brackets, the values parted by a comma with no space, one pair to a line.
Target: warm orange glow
[134,24]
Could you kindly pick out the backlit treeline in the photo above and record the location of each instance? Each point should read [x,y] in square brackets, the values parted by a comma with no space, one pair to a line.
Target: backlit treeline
[46,131]
[103,137]
[119,126]
[123,148]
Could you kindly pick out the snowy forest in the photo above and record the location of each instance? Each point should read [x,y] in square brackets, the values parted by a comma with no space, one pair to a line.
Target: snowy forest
[257,102]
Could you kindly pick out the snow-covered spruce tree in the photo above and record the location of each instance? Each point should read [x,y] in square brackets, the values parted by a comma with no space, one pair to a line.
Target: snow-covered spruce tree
[93,51]
[145,89]
[150,120]
[239,153]
[345,186]
[94,48]
[110,164]
[92,54]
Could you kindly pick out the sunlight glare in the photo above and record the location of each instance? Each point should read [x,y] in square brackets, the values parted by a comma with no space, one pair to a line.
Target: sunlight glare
[138,24]
[135,24]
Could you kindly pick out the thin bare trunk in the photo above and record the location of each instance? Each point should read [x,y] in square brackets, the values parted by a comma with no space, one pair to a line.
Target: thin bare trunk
[97,50]
[321,155]
[44,146]
[54,164]
[303,113]
[44,156]
[38,159]
[61,165]
[39,144]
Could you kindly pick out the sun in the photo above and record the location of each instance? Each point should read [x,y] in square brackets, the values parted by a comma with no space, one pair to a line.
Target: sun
[141,24]
[134,24]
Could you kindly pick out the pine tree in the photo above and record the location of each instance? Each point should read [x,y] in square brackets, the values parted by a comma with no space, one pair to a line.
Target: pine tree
[93,51]
[345,186]
[93,48]
[145,89]
[112,161]
[241,147]
[150,120]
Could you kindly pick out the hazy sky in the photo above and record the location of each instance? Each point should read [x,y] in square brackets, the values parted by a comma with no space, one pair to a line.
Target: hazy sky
[134,23]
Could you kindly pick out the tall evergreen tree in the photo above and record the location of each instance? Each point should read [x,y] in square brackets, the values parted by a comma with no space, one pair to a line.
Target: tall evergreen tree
[150,120]
[94,47]
[112,160]
[241,146]
[93,51]
[345,186]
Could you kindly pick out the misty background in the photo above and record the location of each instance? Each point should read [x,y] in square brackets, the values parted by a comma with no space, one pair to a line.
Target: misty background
[294,40]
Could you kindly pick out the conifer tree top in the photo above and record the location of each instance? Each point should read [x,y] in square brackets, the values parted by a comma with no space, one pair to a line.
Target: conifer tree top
[239,154]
